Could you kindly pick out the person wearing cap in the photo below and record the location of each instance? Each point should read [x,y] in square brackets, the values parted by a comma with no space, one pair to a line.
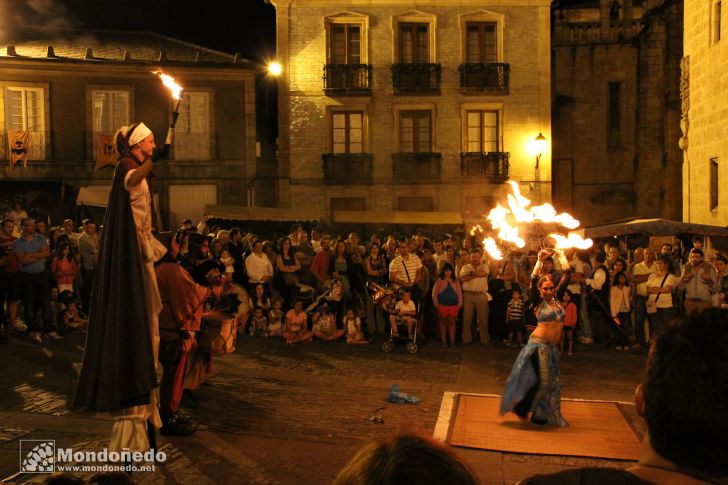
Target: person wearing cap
[118,374]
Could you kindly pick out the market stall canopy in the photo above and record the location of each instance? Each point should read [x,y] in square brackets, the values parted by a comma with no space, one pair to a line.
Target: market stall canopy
[96,195]
[654,227]
[241,213]
[398,217]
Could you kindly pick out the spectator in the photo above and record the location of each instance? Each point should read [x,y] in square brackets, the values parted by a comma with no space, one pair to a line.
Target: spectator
[288,267]
[376,269]
[187,225]
[41,227]
[324,325]
[354,332]
[229,262]
[69,229]
[620,301]
[64,268]
[598,304]
[660,285]
[641,273]
[258,323]
[341,264]
[406,459]
[259,268]
[514,318]
[462,260]
[295,235]
[18,215]
[10,282]
[237,250]
[681,402]
[585,328]
[698,280]
[406,270]
[404,312]
[275,318]
[447,297]
[674,267]
[203,227]
[570,319]
[474,279]
[259,299]
[320,263]
[32,252]
[296,329]
[223,236]
[305,254]
[721,285]
[88,247]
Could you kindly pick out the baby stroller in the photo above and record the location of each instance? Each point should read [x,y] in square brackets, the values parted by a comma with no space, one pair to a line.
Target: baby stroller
[387,298]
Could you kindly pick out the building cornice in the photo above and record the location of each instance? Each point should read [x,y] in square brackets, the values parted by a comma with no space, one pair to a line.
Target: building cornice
[411,3]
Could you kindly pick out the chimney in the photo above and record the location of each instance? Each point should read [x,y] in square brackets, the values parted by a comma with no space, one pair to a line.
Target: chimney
[89,53]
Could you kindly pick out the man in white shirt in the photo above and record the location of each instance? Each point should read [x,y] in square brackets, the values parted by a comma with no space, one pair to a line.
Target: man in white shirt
[641,273]
[258,267]
[474,281]
[405,270]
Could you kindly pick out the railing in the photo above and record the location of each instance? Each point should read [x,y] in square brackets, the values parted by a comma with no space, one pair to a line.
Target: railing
[568,33]
[36,147]
[191,146]
[492,165]
[347,79]
[416,167]
[489,77]
[416,78]
[347,168]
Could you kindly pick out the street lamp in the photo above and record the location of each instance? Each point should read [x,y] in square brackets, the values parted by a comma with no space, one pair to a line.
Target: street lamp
[275,69]
[540,144]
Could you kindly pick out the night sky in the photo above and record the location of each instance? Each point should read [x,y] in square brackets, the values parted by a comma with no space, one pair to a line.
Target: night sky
[245,26]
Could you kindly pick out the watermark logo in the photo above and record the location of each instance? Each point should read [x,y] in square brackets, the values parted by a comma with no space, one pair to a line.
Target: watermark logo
[37,456]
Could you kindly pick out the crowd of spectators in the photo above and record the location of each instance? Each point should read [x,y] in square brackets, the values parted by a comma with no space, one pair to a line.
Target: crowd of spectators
[460,293]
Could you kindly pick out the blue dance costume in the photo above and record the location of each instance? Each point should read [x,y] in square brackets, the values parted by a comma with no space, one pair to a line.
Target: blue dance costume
[533,385]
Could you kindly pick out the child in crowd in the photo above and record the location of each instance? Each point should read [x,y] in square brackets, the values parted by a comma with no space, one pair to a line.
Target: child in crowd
[324,325]
[56,305]
[260,299]
[569,322]
[259,323]
[514,318]
[275,318]
[296,329]
[68,318]
[227,259]
[354,332]
[404,311]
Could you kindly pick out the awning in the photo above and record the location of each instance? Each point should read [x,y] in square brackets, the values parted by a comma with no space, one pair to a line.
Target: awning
[97,195]
[655,227]
[398,217]
[241,213]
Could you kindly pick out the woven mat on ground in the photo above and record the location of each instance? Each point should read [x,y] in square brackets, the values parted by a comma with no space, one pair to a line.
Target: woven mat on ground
[597,430]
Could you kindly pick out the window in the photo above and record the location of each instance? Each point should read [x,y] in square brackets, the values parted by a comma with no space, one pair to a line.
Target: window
[713,183]
[614,115]
[414,43]
[192,133]
[415,131]
[480,46]
[110,111]
[415,204]
[347,132]
[345,47]
[482,131]
[25,111]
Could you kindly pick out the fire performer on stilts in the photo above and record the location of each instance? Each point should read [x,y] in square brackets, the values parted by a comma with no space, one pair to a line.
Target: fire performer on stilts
[119,372]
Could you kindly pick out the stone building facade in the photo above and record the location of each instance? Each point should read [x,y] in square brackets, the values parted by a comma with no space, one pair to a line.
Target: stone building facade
[616,108]
[68,88]
[412,106]
[704,86]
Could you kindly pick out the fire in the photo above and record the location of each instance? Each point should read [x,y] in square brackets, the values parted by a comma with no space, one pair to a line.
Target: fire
[169,82]
[476,229]
[492,249]
[497,218]
[572,241]
[518,204]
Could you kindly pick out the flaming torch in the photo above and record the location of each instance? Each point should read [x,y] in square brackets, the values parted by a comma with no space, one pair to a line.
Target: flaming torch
[176,91]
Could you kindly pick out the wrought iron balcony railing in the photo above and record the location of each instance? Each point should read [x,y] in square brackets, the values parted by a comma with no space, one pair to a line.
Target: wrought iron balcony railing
[493,165]
[416,78]
[417,167]
[347,79]
[347,168]
[489,77]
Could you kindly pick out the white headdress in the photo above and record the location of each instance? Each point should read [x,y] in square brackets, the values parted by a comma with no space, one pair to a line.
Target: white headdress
[138,134]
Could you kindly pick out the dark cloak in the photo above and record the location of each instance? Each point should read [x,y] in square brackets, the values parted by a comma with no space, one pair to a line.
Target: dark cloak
[118,363]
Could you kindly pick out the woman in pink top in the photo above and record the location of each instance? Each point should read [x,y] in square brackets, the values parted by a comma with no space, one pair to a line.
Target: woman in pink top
[620,298]
[296,329]
[447,298]
[64,268]
[569,321]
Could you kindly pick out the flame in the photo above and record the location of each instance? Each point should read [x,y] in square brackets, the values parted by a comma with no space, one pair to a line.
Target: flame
[476,229]
[497,218]
[169,82]
[572,241]
[518,205]
[492,249]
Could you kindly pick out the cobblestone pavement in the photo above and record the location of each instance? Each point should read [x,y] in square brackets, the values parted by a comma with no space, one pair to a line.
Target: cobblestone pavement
[274,413]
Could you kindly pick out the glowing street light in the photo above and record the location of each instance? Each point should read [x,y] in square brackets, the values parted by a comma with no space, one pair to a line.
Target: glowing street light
[275,69]
[540,145]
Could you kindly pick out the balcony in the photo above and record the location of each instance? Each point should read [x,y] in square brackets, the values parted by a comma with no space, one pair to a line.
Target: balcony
[416,78]
[36,146]
[347,168]
[416,167]
[491,165]
[484,77]
[347,79]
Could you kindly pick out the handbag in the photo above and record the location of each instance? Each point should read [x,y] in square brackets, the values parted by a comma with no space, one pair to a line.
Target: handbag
[651,305]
